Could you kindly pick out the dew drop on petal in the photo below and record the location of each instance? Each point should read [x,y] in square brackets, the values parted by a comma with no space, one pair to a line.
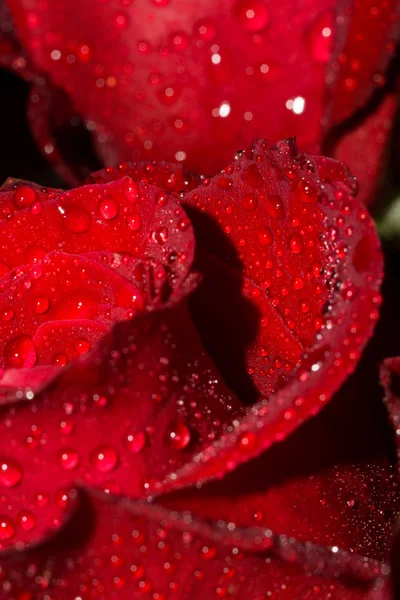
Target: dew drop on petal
[68,459]
[82,346]
[24,196]
[274,207]
[10,472]
[20,352]
[104,459]
[108,208]
[27,520]
[265,236]
[41,304]
[178,436]
[253,14]
[135,222]
[296,243]
[135,441]
[7,529]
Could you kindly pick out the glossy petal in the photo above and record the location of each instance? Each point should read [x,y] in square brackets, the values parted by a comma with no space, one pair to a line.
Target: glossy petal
[366,146]
[263,226]
[142,403]
[130,550]
[359,67]
[390,374]
[170,177]
[74,263]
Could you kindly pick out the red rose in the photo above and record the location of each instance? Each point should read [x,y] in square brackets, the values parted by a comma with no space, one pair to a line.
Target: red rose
[129,306]
[159,79]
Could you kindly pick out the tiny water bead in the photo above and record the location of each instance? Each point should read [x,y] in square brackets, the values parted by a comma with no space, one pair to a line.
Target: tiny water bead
[11,472]
[20,352]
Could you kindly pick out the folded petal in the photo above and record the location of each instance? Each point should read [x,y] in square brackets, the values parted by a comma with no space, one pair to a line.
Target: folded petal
[130,550]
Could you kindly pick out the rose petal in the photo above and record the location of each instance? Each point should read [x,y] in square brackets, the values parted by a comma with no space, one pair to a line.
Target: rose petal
[358,67]
[122,216]
[390,375]
[66,288]
[170,177]
[139,405]
[324,227]
[181,90]
[125,550]
[331,482]
[365,147]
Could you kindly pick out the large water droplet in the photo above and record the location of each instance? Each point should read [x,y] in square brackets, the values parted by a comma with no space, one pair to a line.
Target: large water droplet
[135,222]
[20,352]
[7,529]
[265,236]
[108,208]
[24,196]
[253,14]
[178,436]
[41,304]
[296,243]
[27,520]
[135,441]
[68,459]
[104,459]
[10,472]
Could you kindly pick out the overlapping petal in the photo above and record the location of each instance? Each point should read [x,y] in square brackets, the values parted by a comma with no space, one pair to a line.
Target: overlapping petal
[132,550]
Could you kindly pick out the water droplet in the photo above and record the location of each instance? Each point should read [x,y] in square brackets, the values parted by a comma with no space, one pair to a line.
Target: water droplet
[20,352]
[160,236]
[131,189]
[7,314]
[274,207]
[135,222]
[298,283]
[135,441]
[178,436]
[24,196]
[41,304]
[253,14]
[27,520]
[68,459]
[296,243]
[250,202]
[319,37]
[82,346]
[104,459]
[305,193]
[7,529]
[10,472]
[108,208]
[265,236]
[60,360]
[77,220]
